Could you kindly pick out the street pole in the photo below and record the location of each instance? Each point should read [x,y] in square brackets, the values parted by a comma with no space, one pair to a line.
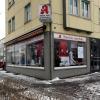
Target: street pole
[51,50]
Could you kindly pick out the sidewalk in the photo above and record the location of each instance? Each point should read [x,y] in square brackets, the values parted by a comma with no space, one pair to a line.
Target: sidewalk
[20,87]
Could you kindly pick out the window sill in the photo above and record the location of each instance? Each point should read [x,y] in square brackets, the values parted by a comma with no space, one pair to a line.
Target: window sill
[70,67]
[26,22]
[30,67]
[86,18]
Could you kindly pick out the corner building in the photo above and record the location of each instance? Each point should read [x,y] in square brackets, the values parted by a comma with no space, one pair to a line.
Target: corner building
[67,46]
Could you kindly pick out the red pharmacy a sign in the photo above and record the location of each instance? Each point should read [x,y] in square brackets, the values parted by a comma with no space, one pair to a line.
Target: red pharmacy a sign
[45,13]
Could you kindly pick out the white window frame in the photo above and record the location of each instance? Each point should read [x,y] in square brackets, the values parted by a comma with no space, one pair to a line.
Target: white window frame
[74,7]
[85,11]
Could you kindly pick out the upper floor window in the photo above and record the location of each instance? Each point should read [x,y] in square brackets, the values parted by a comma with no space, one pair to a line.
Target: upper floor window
[80,7]
[9,26]
[27,14]
[13,24]
[10,3]
[74,7]
[99,15]
[85,8]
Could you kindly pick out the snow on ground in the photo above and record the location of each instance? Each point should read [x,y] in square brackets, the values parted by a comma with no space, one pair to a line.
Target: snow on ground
[84,87]
[32,80]
[55,80]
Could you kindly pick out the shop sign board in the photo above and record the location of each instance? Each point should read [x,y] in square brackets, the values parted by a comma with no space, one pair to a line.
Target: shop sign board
[45,13]
[69,37]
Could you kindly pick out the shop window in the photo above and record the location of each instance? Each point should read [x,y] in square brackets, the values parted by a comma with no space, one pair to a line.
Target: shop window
[69,53]
[27,53]
[10,55]
[20,54]
[2,54]
[35,55]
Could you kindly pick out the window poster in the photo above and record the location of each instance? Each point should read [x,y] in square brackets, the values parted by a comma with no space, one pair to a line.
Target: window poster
[80,52]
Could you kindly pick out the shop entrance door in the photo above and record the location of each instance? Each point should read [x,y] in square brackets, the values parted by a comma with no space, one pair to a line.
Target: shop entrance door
[95,55]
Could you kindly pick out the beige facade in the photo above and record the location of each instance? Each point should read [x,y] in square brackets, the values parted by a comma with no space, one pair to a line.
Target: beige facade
[77,22]
[65,20]
[17,10]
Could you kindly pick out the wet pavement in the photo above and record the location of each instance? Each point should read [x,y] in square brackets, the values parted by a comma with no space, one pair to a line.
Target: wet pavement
[14,87]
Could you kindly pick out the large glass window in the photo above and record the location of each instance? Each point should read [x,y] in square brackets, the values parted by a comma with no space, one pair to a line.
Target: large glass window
[35,55]
[29,53]
[10,55]
[20,54]
[2,54]
[69,52]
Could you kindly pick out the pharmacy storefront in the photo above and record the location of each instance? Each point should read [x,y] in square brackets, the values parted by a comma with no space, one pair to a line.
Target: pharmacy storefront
[70,55]
[34,56]
[27,53]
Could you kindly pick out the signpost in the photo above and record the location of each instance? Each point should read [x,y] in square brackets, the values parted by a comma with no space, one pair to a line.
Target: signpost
[45,14]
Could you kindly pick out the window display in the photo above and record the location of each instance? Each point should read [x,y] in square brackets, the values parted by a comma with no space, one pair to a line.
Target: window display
[10,55]
[35,54]
[20,54]
[69,51]
[28,53]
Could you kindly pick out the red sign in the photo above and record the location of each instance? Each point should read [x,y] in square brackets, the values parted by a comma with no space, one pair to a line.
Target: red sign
[45,13]
[44,9]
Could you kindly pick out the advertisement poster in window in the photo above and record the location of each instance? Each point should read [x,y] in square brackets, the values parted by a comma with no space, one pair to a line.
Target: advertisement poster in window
[80,52]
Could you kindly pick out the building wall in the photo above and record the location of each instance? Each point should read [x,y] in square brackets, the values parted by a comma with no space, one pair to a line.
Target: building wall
[22,28]
[76,21]
[77,26]
[57,18]
[17,10]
